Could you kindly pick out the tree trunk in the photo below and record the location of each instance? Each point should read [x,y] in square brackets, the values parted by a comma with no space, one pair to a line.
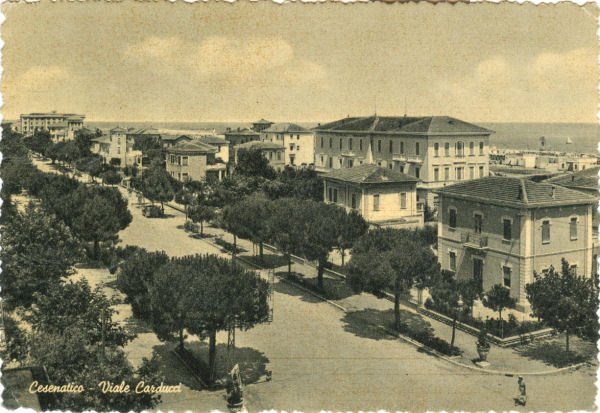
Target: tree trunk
[162,207]
[96,249]
[567,334]
[343,254]
[453,331]
[397,310]
[212,353]
[501,324]
[181,339]
[234,244]
[289,257]
[320,274]
[202,228]
[260,246]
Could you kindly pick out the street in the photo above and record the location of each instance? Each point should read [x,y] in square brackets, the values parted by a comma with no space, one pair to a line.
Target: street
[318,365]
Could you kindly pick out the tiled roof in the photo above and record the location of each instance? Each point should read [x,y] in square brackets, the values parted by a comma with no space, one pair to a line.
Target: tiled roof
[175,137]
[285,127]
[145,131]
[369,174]
[244,131]
[428,125]
[262,122]
[118,129]
[102,139]
[259,145]
[193,146]
[212,140]
[586,179]
[515,192]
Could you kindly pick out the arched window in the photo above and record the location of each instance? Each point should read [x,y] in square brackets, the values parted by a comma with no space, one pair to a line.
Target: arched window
[460,148]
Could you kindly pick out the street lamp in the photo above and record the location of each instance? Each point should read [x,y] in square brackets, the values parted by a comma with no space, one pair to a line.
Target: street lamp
[459,306]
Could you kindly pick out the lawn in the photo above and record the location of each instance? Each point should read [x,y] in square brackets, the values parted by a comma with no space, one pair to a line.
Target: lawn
[552,351]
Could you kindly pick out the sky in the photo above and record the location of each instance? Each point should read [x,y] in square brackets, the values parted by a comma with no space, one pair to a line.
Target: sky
[218,62]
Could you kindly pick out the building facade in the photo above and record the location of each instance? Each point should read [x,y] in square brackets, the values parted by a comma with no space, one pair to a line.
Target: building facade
[221,144]
[121,152]
[194,161]
[239,136]
[168,141]
[500,230]
[61,126]
[299,143]
[274,152]
[438,150]
[384,197]
[261,125]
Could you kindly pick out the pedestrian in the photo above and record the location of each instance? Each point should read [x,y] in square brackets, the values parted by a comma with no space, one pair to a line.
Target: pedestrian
[521,399]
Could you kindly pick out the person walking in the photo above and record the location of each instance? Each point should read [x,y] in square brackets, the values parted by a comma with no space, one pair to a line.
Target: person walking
[521,399]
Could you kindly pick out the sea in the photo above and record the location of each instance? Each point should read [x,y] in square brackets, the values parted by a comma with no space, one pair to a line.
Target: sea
[584,137]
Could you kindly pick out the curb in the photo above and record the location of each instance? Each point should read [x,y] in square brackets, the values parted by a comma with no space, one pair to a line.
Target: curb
[408,340]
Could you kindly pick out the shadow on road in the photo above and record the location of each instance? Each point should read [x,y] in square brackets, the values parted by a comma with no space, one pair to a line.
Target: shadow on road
[269,261]
[370,323]
[285,288]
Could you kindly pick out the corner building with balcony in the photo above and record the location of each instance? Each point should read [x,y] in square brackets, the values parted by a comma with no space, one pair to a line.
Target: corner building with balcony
[500,230]
[437,150]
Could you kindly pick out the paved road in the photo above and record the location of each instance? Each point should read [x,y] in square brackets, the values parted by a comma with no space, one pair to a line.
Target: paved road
[318,363]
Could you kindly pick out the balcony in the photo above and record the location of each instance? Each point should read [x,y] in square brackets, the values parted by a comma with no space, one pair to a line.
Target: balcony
[407,158]
[474,240]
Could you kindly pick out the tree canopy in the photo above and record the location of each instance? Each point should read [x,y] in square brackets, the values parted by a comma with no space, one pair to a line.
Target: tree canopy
[565,301]
[252,162]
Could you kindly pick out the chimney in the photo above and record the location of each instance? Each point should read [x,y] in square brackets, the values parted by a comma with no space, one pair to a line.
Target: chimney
[553,192]
[520,196]
[573,178]
[238,129]
[228,129]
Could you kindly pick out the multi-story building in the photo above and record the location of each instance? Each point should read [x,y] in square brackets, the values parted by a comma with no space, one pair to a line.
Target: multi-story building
[168,140]
[299,142]
[438,150]
[194,161]
[274,152]
[221,144]
[239,136]
[384,197]
[117,148]
[500,230]
[62,126]
[261,125]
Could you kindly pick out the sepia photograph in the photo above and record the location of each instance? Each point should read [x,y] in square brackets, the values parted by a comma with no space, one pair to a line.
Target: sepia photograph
[248,206]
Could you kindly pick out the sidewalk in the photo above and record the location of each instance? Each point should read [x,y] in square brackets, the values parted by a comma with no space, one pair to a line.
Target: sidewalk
[504,360]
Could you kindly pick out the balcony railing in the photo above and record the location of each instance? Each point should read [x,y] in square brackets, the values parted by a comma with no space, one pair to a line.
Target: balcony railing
[474,240]
[407,158]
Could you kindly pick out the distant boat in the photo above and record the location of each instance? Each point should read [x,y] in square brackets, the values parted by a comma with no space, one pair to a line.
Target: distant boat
[569,141]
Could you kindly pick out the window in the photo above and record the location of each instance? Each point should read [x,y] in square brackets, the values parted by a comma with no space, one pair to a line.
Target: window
[460,149]
[401,147]
[452,218]
[184,160]
[402,168]
[340,161]
[403,200]
[270,155]
[390,166]
[340,143]
[477,222]
[335,195]
[417,148]
[291,146]
[417,171]
[321,141]
[391,146]
[480,148]
[459,173]
[330,195]
[506,274]
[452,260]
[297,137]
[573,227]
[331,162]
[350,143]
[322,161]
[447,149]
[354,203]
[184,176]
[446,174]
[545,232]
[507,229]
[360,144]
[350,163]
[436,174]
[573,269]
[379,145]
[471,172]
[330,143]
[481,172]
[376,202]
[471,148]
[436,149]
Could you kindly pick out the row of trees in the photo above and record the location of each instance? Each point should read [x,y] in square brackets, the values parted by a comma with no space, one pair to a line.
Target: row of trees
[303,227]
[200,295]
